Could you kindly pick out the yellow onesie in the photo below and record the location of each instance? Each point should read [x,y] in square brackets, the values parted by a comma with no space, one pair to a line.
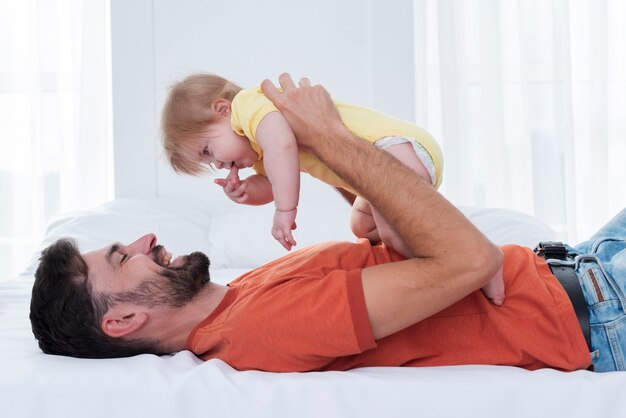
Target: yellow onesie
[250,106]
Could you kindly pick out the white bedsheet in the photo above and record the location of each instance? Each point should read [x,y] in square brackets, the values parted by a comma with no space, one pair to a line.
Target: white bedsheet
[33,384]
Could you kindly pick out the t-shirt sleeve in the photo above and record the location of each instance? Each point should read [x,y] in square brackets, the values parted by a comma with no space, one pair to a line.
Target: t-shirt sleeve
[358,310]
[301,324]
[248,108]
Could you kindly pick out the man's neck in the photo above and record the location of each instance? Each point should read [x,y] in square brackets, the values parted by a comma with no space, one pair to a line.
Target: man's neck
[182,321]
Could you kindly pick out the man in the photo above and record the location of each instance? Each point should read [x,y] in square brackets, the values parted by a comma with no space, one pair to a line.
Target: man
[338,306]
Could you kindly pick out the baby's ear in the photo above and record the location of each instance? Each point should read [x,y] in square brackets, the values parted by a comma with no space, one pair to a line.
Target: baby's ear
[221,106]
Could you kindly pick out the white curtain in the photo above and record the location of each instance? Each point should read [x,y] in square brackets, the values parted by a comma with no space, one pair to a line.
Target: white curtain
[528,98]
[54,118]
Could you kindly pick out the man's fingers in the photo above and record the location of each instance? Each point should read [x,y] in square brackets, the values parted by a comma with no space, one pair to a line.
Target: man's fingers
[305,82]
[270,91]
[286,82]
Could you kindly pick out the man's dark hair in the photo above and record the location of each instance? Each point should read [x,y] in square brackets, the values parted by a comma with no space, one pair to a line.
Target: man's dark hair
[65,313]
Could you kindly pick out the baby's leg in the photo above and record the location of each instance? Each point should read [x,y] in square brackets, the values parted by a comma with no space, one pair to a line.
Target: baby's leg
[494,289]
[406,154]
[362,222]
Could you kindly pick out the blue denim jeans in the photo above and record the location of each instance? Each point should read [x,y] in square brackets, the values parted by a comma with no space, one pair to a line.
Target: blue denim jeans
[601,268]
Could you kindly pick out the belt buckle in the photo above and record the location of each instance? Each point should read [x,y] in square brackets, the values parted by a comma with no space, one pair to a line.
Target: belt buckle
[551,250]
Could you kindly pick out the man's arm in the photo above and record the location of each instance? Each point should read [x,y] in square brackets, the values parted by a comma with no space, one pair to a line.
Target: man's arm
[453,257]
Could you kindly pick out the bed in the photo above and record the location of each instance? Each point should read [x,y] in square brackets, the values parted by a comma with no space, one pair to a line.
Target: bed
[237,238]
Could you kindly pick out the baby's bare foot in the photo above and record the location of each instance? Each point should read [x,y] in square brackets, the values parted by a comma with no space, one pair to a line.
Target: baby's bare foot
[494,289]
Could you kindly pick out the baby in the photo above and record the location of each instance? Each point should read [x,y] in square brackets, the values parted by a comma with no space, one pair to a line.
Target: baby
[210,122]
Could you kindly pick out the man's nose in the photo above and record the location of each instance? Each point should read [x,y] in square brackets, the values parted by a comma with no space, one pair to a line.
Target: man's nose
[142,245]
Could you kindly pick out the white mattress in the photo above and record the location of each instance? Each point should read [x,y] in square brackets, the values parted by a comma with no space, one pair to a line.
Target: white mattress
[236,238]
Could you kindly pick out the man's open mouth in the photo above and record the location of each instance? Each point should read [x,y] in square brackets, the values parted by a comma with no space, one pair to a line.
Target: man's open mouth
[161,256]
[164,258]
[167,258]
[177,262]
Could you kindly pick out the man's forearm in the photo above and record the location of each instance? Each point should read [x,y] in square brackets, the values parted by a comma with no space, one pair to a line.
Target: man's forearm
[454,258]
[422,217]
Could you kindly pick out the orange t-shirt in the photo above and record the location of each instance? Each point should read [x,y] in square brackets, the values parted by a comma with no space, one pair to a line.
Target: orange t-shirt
[306,311]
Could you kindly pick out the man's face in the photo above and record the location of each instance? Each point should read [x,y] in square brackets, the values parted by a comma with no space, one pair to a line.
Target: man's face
[144,273]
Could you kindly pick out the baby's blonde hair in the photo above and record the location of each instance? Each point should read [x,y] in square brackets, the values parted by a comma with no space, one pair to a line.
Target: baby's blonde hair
[187,112]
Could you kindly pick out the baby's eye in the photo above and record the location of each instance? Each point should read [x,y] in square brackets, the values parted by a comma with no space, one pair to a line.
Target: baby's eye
[205,151]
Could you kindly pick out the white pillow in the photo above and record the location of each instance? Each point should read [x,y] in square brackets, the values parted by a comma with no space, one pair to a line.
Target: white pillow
[181,225]
[232,235]
[239,237]
[504,226]
[242,237]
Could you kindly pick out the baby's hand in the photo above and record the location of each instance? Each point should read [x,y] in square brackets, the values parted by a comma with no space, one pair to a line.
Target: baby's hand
[284,223]
[234,188]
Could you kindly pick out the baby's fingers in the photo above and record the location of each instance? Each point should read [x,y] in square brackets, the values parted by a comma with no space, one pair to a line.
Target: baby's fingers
[232,187]
[221,182]
[239,194]
[285,244]
[233,174]
[280,237]
[289,239]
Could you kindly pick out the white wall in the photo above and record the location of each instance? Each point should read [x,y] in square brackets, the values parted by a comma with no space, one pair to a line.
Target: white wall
[362,51]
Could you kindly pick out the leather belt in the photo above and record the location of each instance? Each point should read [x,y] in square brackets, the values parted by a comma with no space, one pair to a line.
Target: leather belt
[553,252]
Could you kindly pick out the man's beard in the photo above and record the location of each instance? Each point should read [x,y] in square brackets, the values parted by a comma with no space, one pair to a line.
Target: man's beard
[174,286]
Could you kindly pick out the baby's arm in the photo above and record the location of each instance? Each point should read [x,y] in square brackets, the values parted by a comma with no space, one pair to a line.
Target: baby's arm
[282,165]
[254,190]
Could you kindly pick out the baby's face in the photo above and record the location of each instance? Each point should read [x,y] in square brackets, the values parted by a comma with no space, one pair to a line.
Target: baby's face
[221,147]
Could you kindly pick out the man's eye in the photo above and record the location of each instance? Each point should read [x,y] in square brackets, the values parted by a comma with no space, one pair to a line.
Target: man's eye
[124,257]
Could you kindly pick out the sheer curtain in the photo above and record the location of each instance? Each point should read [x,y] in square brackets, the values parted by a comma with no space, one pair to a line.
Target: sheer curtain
[54,118]
[528,98]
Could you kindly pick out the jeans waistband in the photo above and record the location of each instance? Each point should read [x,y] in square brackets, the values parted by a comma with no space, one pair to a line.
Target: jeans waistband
[565,272]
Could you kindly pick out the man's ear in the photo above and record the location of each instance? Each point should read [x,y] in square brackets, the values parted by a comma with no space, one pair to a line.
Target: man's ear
[221,106]
[118,323]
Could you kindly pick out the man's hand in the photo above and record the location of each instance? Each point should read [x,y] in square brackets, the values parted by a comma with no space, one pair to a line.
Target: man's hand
[284,223]
[309,110]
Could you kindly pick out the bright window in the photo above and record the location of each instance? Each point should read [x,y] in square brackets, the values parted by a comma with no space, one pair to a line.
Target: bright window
[528,99]
[54,118]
